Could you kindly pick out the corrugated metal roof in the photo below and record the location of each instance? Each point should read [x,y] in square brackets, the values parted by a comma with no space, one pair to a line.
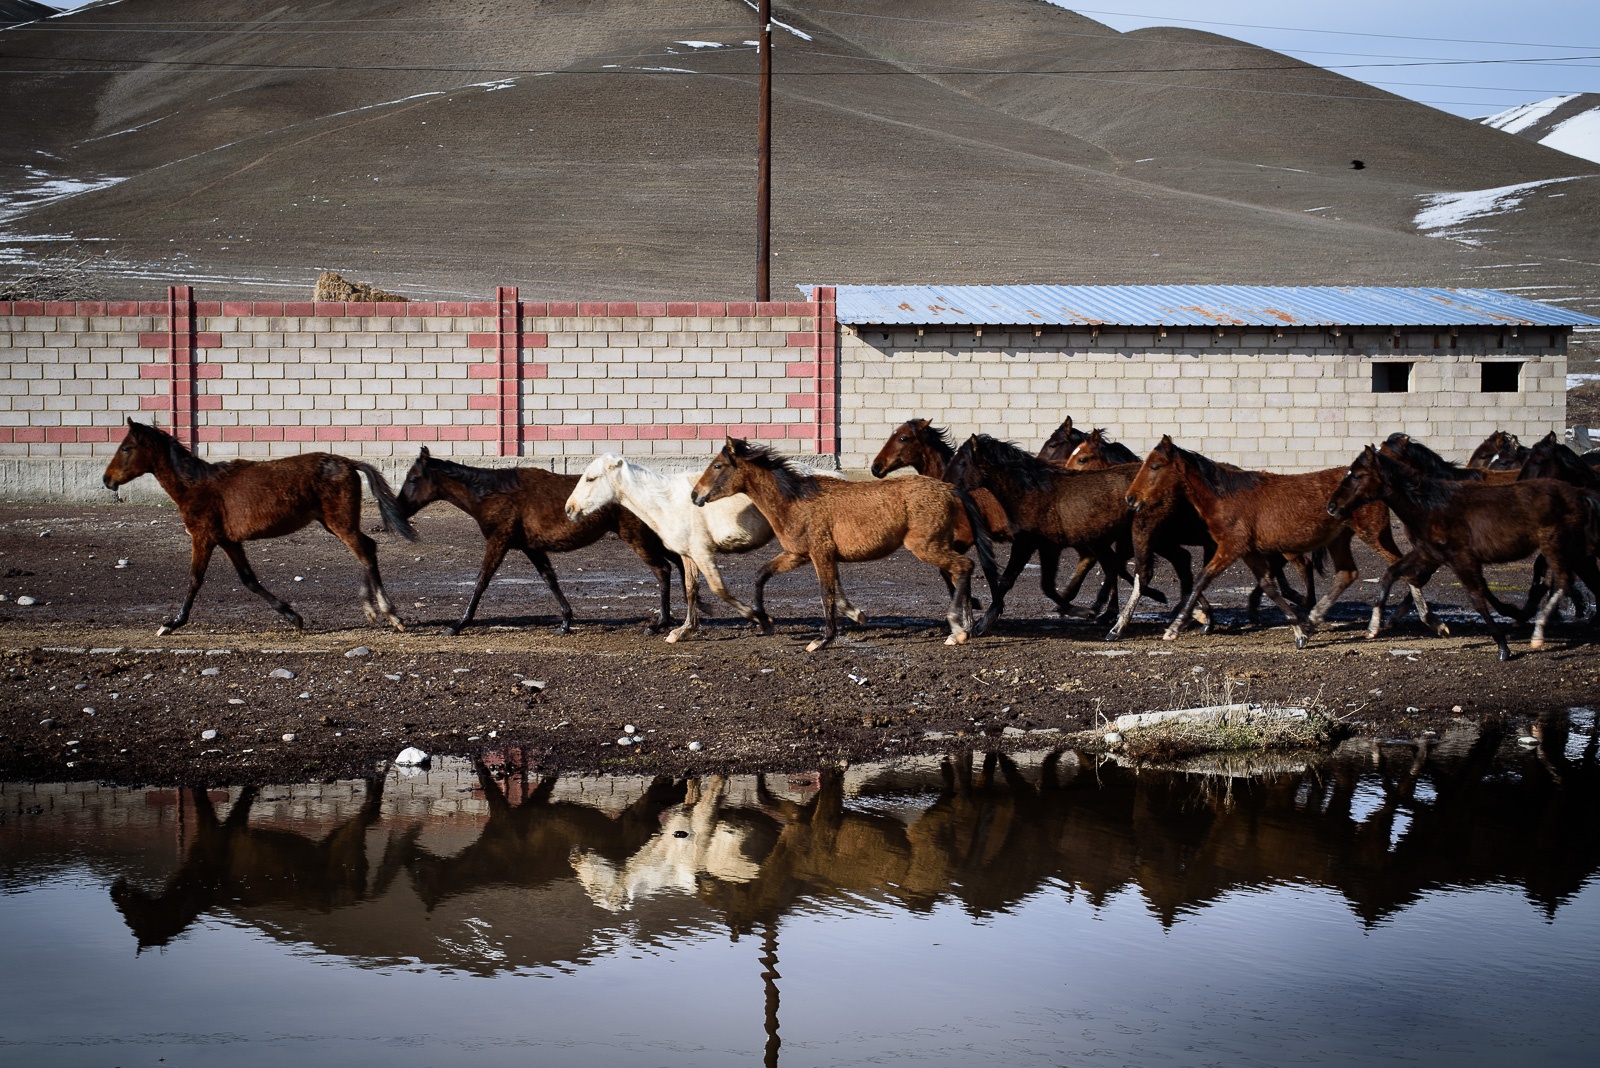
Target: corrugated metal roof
[1206,306]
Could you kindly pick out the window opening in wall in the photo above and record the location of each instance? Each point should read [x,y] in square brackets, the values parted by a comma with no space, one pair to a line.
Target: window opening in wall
[1393,377]
[1501,377]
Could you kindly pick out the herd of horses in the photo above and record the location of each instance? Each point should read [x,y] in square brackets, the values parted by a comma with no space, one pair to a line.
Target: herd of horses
[1082,491]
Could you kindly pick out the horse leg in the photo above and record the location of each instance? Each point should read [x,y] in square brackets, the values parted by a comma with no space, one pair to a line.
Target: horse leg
[691,594]
[1470,572]
[247,576]
[784,561]
[1266,579]
[199,559]
[713,576]
[1560,583]
[494,551]
[1382,541]
[1068,595]
[827,569]
[957,571]
[1345,574]
[541,563]
[374,601]
[1023,546]
[1412,563]
[1218,563]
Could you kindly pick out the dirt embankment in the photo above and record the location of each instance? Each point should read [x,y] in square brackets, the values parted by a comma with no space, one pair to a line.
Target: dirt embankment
[88,691]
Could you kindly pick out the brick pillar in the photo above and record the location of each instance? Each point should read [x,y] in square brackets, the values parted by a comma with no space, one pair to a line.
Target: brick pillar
[509,333]
[827,383]
[180,369]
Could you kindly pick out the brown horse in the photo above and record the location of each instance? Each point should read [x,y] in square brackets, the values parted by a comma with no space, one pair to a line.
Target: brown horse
[1175,522]
[230,503]
[827,521]
[1467,525]
[1253,515]
[524,508]
[927,450]
[1050,508]
[1500,451]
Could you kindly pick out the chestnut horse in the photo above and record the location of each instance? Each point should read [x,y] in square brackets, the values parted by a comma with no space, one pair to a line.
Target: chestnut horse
[524,508]
[1174,521]
[230,503]
[1253,515]
[1467,525]
[829,520]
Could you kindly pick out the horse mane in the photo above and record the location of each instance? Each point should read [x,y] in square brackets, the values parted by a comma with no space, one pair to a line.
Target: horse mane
[187,466]
[1426,461]
[793,483]
[480,481]
[1222,480]
[1418,486]
[1030,473]
[937,438]
[1113,451]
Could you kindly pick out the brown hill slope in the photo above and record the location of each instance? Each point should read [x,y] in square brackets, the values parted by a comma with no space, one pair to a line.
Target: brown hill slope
[602,149]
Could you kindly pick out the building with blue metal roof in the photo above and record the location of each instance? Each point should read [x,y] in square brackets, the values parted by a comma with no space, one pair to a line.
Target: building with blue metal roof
[1273,377]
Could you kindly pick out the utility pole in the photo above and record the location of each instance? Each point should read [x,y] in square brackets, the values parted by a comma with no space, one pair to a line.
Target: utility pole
[764,154]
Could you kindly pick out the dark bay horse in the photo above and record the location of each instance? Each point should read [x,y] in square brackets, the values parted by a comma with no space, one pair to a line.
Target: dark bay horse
[1500,451]
[1550,458]
[1062,440]
[1253,515]
[827,521]
[524,508]
[1467,525]
[1048,508]
[230,503]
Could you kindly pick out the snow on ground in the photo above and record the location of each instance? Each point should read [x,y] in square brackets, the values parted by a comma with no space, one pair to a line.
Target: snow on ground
[1519,118]
[1444,212]
[1578,136]
[1574,381]
[39,188]
[700,44]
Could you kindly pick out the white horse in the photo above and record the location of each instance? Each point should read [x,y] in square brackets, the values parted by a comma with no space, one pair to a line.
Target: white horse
[696,534]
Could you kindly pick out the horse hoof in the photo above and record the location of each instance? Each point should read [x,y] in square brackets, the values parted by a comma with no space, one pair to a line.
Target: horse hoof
[165,629]
[1505,654]
[1442,629]
[395,623]
[1300,641]
[451,632]
[856,615]
[818,644]
[1171,635]
[1535,644]
[958,638]
[672,639]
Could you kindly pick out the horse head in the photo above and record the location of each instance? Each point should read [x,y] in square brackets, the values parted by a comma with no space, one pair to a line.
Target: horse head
[1159,475]
[917,444]
[1362,482]
[421,487]
[596,487]
[1061,441]
[722,477]
[134,457]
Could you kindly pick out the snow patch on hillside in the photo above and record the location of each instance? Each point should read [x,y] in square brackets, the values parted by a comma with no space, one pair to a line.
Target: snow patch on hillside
[1519,118]
[1578,136]
[1443,213]
[39,188]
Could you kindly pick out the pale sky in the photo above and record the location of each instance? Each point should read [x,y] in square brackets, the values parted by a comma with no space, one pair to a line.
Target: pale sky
[1475,37]
[1478,56]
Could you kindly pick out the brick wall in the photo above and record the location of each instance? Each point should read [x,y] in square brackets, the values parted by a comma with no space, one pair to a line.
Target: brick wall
[470,379]
[1297,402]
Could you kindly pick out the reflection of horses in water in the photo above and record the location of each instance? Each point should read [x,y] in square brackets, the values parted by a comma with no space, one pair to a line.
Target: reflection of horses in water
[530,843]
[230,864]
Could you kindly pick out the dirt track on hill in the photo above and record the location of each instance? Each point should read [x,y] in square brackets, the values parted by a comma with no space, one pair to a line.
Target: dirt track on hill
[90,692]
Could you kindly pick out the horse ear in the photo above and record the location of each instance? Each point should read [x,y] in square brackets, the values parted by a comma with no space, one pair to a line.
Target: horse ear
[1551,438]
[920,424]
[424,454]
[612,461]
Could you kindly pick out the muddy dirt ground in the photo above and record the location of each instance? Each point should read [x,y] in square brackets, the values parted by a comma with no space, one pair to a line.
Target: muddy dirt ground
[88,691]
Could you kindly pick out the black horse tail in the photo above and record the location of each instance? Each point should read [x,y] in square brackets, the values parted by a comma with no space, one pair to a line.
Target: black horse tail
[980,539]
[394,519]
[1591,527]
[1319,561]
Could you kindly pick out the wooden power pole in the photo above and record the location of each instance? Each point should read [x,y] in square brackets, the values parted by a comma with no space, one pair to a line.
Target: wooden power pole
[764,155]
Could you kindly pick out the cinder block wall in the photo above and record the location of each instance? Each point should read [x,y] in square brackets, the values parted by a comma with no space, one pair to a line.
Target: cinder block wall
[482,381]
[1299,402]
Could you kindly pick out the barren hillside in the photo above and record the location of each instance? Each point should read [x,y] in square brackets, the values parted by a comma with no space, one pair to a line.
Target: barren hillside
[606,148]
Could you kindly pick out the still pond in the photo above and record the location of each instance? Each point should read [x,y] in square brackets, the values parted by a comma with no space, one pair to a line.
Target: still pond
[1413,901]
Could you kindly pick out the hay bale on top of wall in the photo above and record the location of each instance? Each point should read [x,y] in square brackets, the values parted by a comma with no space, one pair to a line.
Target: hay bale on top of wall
[333,286]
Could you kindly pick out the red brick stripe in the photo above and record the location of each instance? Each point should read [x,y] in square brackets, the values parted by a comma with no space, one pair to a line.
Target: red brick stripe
[509,332]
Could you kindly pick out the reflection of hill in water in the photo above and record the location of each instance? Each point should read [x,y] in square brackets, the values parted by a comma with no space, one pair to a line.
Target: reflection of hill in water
[556,872]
